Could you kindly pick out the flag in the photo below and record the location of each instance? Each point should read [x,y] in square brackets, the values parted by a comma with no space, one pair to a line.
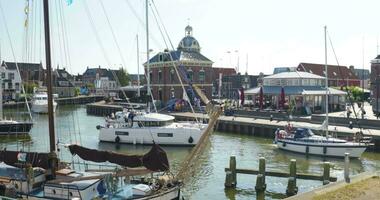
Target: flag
[69,2]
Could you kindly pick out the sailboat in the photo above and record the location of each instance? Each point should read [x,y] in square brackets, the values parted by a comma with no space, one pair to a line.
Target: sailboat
[303,140]
[32,175]
[148,128]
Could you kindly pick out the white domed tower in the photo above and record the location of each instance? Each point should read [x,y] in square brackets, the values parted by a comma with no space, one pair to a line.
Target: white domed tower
[189,43]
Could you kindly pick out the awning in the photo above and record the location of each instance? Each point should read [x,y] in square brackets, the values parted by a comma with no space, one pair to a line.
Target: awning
[294,90]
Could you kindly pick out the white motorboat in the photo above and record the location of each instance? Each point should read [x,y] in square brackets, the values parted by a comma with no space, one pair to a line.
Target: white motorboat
[303,140]
[144,128]
[40,103]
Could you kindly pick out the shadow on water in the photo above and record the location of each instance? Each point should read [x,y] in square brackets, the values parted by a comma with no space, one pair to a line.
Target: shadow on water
[238,193]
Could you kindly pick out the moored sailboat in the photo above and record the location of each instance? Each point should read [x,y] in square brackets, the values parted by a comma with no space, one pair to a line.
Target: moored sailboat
[303,140]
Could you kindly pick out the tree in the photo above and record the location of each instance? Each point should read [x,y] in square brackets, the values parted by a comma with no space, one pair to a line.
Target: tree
[123,77]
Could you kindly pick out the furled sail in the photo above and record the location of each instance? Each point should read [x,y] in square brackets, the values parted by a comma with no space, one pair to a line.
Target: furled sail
[17,158]
[154,160]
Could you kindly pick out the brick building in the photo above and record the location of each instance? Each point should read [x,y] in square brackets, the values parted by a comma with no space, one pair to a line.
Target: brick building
[337,75]
[164,80]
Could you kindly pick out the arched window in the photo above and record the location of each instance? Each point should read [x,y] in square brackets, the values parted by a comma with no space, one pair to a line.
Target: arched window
[159,76]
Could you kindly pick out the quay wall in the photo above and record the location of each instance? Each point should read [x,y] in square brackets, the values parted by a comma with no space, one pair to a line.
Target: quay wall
[60,101]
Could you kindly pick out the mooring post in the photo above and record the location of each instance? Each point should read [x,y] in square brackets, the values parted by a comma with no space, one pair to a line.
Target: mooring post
[260,180]
[347,167]
[326,173]
[292,188]
[228,181]
[233,170]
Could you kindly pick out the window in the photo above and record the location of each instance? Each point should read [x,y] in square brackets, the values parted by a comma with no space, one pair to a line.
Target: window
[121,133]
[3,75]
[3,85]
[202,75]
[9,85]
[172,76]
[164,134]
[160,94]
[190,74]
[159,76]
[150,76]
[17,86]
[11,76]
[172,93]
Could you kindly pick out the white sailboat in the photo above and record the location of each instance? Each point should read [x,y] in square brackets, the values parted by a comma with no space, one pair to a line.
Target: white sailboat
[148,128]
[303,140]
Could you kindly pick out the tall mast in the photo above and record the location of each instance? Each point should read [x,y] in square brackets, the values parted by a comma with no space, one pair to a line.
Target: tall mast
[327,87]
[49,83]
[138,66]
[147,52]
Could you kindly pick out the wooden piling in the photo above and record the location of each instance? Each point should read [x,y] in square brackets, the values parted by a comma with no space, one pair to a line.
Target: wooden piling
[292,188]
[233,170]
[228,181]
[326,173]
[346,167]
[260,179]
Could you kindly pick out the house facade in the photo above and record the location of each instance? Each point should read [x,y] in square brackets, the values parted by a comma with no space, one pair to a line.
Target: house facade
[10,82]
[192,66]
[30,72]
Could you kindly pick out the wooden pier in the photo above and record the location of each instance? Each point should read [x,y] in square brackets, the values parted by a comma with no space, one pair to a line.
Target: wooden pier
[102,109]
[292,176]
[267,127]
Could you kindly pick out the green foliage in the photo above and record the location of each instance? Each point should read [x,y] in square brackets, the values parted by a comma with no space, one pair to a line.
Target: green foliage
[90,86]
[76,92]
[356,93]
[29,87]
[123,77]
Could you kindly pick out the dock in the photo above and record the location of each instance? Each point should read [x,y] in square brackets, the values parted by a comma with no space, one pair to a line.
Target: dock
[102,109]
[267,127]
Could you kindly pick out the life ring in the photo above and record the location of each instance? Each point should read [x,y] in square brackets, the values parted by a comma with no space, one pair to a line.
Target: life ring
[190,140]
[117,139]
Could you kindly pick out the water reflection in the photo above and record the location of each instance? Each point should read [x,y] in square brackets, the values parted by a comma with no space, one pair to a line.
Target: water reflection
[73,125]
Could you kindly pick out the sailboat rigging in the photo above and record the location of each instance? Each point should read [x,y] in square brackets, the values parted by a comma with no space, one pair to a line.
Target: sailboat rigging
[55,181]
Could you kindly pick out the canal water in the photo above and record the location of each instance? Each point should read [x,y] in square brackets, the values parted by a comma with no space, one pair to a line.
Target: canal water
[73,125]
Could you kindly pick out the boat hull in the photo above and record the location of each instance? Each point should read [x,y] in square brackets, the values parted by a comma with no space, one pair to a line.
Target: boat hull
[22,128]
[322,149]
[148,135]
[42,108]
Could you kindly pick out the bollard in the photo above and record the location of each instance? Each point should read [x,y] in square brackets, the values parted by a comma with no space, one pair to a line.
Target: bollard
[326,173]
[292,188]
[347,167]
[233,170]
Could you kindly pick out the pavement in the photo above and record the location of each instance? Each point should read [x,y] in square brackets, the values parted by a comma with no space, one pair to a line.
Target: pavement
[280,124]
[368,112]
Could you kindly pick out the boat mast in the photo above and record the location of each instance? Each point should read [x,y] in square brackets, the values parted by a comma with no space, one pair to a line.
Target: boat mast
[327,87]
[49,83]
[147,52]
[138,66]
[1,98]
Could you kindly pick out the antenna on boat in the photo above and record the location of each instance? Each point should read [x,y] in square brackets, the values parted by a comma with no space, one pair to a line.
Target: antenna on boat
[53,156]
[327,86]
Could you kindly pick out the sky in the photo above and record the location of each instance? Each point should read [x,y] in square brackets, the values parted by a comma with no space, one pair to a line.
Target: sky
[270,33]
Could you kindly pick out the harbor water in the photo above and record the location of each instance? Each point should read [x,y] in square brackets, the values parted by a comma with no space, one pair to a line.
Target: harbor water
[73,125]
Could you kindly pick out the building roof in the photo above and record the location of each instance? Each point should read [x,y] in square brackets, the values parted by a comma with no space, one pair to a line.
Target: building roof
[23,66]
[294,90]
[296,74]
[103,72]
[334,71]
[179,55]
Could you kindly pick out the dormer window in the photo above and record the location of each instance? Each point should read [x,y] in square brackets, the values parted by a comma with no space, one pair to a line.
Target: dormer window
[202,75]
[190,74]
